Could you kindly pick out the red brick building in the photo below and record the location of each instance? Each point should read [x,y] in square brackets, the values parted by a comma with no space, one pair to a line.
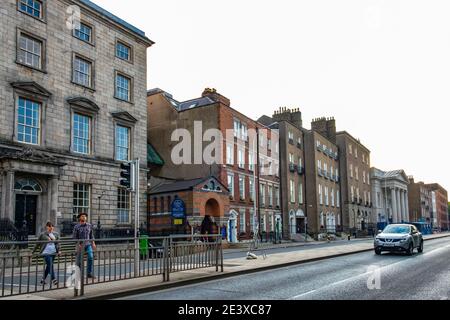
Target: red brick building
[441,206]
[202,197]
[236,166]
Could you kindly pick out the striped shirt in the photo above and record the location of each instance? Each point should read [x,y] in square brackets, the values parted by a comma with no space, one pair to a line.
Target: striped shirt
[83,232]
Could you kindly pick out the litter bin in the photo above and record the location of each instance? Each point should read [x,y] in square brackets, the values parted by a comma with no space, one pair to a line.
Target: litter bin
[143,246]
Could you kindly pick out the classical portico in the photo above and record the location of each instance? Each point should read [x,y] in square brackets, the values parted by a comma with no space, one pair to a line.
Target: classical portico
[390,194]
[29,189]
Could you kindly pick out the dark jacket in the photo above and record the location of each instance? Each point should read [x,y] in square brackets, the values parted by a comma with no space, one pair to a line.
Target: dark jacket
[45,237]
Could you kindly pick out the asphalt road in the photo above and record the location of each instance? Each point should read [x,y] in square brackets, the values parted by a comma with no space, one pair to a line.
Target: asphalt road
[390,277]
[234,254]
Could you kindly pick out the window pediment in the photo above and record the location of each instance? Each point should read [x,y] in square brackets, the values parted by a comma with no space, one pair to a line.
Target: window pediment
[124,116]
[31,87]
[84,103]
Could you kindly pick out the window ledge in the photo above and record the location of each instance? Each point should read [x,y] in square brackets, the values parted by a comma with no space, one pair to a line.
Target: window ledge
[31,67]
[84,41]
[122,100]
[83,86]
[124,60]
[30,15]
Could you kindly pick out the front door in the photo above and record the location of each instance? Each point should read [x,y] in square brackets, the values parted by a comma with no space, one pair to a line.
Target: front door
[26,210]
[300,225]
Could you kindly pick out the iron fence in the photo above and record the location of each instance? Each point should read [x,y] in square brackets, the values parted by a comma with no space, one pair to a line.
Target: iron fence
[21,270]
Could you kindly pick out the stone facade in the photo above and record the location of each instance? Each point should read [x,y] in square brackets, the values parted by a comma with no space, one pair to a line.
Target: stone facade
[356,191]
[51,161]
[390,192]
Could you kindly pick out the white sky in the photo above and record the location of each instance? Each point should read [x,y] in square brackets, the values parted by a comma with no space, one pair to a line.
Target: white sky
[381,68]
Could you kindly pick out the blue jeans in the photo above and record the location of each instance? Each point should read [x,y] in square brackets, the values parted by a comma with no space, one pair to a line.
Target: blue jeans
[90,258]
[49,267]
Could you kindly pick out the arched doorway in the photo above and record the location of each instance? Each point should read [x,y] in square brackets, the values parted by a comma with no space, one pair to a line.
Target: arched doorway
[27,193]
[212,208]
[300,221]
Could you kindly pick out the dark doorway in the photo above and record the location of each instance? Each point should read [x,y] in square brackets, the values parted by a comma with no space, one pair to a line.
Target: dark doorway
[300,225]
[26,211]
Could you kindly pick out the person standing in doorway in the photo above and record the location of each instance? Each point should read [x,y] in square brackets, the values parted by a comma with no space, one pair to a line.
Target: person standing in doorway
[49,251]
[83,231]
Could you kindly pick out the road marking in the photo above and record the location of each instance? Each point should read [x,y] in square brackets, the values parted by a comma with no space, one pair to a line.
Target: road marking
[367,273]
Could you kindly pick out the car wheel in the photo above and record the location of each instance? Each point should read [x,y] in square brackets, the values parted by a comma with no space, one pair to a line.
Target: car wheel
[377,252]
[420,247]
[410,251]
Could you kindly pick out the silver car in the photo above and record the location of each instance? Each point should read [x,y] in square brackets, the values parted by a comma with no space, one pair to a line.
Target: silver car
[399,238]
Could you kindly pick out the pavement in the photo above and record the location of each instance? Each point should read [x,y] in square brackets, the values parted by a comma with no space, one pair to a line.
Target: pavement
[277,257]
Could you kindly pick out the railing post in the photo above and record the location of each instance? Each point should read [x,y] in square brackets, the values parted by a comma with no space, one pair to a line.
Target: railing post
[217,254]
[221,255]
[82,270]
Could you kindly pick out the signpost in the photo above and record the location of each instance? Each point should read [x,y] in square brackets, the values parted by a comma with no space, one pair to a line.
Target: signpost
[178,212]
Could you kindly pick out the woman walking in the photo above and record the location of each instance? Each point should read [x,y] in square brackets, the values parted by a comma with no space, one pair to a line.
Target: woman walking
[49,251]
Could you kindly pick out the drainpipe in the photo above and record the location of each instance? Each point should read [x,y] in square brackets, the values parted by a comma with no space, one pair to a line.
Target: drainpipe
[257,187]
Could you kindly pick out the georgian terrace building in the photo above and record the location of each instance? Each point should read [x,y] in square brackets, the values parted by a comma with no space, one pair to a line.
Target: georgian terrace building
[323,198]
[292,170]
[72,108]
[390,196]
[356,191]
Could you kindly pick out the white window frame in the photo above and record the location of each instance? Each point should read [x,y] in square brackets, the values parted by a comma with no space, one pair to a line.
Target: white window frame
[241,187]
[25,53]
[121,209]
[230,181]
[270,192]
[230,154]
[89,134]
[300,193]
[262,191]
[37,127]
[251,185]
[85,206]
[242,222]
[320,195]
[241,158]
[292,190]
[118,147]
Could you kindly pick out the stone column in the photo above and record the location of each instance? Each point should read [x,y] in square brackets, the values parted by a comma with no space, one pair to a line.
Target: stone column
[394,206]
[406,205]
[8,190]
[402,205]
[54,196]
[399,205]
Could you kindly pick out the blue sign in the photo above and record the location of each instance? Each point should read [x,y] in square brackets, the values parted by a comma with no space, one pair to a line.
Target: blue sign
[178,209]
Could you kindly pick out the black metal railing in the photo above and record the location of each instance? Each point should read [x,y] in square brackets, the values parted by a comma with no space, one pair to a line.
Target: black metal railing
[21,271]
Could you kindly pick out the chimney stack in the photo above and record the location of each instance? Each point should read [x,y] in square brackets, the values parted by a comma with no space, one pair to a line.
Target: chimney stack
[215,96]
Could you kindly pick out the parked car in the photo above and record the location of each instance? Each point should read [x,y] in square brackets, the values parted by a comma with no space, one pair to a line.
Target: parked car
[399,238]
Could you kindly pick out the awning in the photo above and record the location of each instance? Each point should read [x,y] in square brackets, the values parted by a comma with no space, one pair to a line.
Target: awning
[153,157]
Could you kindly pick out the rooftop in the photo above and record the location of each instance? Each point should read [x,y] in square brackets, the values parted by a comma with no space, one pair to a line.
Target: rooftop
[114,18]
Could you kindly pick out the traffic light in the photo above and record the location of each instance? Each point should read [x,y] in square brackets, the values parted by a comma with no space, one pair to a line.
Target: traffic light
[126,175]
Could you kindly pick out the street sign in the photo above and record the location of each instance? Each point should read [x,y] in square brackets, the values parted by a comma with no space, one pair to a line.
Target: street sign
[178,222]
[178,209]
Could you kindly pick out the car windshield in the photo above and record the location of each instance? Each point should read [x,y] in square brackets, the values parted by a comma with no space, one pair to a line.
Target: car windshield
[396,229]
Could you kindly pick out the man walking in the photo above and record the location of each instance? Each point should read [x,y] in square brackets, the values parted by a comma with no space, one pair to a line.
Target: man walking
[84,231]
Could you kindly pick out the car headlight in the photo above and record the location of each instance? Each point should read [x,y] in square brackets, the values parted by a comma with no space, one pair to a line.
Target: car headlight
[404,240]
